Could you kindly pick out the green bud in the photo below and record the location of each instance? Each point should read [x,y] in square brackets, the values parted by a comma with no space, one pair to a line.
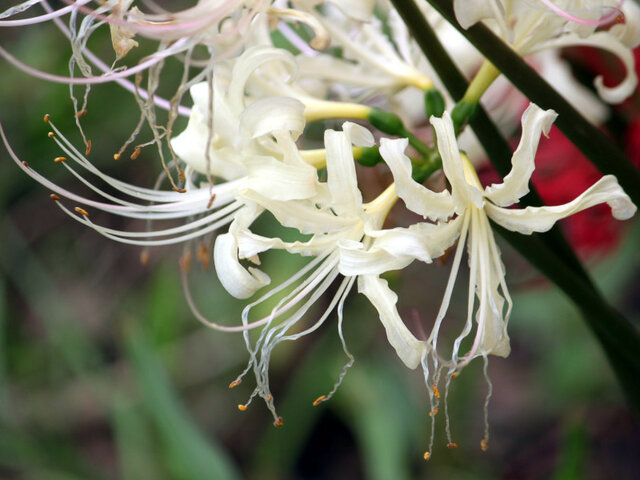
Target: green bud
[386,122]
[368,156]
[433,103]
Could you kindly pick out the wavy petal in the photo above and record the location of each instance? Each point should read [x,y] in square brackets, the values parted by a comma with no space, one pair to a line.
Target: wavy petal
[279,181]
[341,173]
[541,219]
[516,184]
[407,346]
[419,199]
[272,114]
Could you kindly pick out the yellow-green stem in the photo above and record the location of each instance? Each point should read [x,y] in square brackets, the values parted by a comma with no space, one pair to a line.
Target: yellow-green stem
[481,82]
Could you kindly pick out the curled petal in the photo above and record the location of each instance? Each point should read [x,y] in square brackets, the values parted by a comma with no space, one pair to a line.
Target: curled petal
[341,172]
[516,184]
[279,181]
[418,199]
[355,259]
[541,219]
[272,114]
[470,12]
[407,346]
[463,192]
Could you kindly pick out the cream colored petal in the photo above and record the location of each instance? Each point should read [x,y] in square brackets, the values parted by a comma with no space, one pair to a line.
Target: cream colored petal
[238,281]
[462,191]
[541,219]
[470,12]
[279,181]
[272,114]
[516,184]
[355,259]
[418,198]
[341,173]
[407,346]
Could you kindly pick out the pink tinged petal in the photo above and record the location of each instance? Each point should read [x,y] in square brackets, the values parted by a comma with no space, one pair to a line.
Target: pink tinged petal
[462,191]
[407,346]
[419,199]
[516,184]
[541,219]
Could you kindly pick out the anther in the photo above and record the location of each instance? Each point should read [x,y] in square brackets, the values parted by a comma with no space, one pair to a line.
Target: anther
[135,153]
[82,211]
[47,117]
[210,203]
[278,422]
[204,255]
[179,190]
[242,407]
[484,445]
[54,197]
[427,455]
[434,412]
[235,383]
[51,134]
[180,175]
[60,159]
[319,400]
[25,164]
[185,264]
[88,149]
[81,113]
[116,156]
[452,445]
[269,397]
[455,374]
[436,392]
[144,257]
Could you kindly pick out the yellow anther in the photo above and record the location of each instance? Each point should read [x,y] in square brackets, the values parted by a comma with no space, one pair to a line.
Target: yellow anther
[60,159]
[434,412]
[235,383]
[82,211]
[51,134]
[319,400]
[135,153]
[55,197]
[452,445]
[81,113]
[47,117]
[455,374]
[427,455]
[484,445]
[436,392]
[278,422]
[242,407]
[88,149]
[116,156]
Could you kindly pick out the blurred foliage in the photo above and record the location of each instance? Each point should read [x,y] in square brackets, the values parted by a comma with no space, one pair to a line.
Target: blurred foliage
[104,373]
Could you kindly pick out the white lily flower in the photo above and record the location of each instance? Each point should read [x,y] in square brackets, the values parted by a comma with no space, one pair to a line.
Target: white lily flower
[474,206]
[533,28]
[336,218]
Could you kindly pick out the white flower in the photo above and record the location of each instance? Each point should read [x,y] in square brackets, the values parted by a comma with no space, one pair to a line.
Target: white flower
[465,212]
[533,28]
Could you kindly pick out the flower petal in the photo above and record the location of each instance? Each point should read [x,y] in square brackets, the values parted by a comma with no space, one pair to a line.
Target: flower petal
[407,346]
[516,184]
[419,199]
[272,114]
[541,219]
[341,172]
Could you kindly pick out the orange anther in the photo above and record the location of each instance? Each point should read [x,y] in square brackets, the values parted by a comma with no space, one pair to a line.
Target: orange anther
[116,156]
[278,422]
[135,153]
[55,197]
[82,211]
[60,159]
[242,407]
[235,383]
[51,134]
[88,149]
[269,397]
[25,164]
[427,455]
[484,445]
[455,374]
[81,113]
[436,392]
[47,117]
[144,257]
[434,412]
[213,197]
[319,400]
[179,190]
[452,445]
[181,175]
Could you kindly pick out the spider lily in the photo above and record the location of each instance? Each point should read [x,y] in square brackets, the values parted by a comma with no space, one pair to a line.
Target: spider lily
[335,217]
[530,29]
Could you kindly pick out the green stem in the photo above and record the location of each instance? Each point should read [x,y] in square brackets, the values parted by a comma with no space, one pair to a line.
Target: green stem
[481,82]
[591,141]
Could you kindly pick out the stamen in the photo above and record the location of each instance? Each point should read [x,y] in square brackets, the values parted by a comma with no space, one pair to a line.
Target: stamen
[47,117]
[54,197]
[82,211]
[50,134]
[452,445]
[60,159]
[144,257]
[484,446]
[436,392]
[136,153]
[242,407]
[88,149]
[203,254]
[427,455]
[434,412]
[235,383]
[278,422]
[81,113]
[116,156]
[24,162]
[319,400]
